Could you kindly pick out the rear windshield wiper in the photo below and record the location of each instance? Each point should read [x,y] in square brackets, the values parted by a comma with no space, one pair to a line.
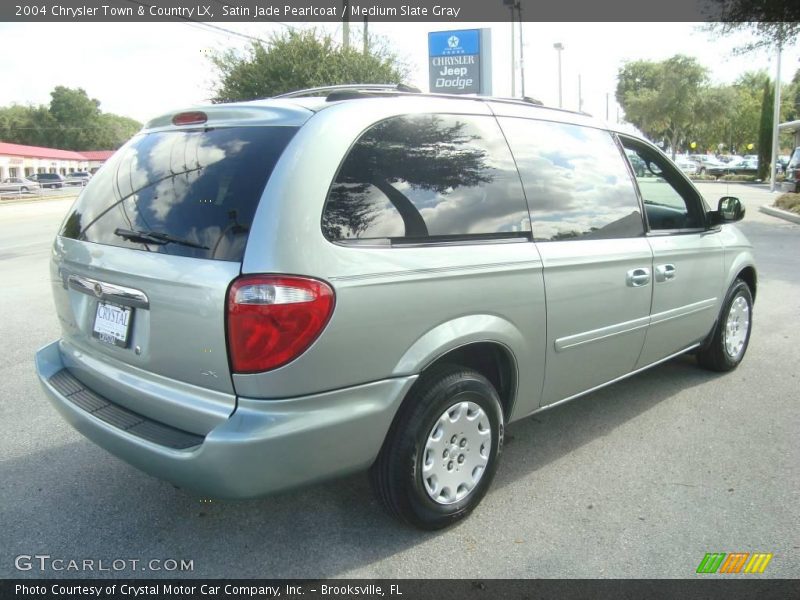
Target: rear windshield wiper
[154,237]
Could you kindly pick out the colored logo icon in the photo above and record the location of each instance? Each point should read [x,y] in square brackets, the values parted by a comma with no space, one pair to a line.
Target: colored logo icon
[735,562]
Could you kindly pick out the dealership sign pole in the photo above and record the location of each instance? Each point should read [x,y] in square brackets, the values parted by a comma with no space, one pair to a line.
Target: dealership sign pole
[460,62]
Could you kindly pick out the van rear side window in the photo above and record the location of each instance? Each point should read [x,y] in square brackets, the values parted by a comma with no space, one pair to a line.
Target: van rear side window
[420,178]
[186,193]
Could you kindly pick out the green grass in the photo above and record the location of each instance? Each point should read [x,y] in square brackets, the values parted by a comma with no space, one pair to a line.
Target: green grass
[789,201]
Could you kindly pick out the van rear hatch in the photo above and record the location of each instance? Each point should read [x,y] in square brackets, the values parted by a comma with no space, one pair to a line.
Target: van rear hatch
[143,262]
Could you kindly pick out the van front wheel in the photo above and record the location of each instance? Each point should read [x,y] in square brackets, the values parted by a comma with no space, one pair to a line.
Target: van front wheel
[731,335]
[441,453]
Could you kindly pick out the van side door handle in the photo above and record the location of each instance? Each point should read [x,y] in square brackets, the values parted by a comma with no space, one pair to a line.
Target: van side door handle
[638,277]
[665,272]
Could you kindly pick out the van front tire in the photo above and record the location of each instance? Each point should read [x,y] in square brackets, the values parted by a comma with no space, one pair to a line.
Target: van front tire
[441,454]
[731,335]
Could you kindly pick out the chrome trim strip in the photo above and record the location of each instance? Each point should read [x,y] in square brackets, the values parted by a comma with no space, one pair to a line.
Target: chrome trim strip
[587,337]
[517,264]
[612,381]
[683,311]
[108,291]
[579,339]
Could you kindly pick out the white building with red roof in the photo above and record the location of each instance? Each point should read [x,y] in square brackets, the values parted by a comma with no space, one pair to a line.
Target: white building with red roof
[17,160]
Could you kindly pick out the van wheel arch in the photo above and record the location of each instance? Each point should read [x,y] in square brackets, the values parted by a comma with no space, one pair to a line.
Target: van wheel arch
[493,360]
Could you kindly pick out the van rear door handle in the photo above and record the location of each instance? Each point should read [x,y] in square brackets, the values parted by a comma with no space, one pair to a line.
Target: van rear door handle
[638,277]
[665,272]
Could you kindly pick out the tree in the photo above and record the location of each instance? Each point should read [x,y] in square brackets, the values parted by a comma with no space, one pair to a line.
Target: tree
[746,113]
[114,130]
[300,59]
[715,110]
[73,121]
[77,115]
[32,125]
[664,99]
[765,130]
[791,99]
[767,23]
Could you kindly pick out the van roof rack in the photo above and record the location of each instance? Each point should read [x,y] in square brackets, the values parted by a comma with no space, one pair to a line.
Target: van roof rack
[353,91]
[351,88]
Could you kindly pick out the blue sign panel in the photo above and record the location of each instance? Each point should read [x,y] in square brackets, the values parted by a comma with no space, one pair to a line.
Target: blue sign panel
[454,43]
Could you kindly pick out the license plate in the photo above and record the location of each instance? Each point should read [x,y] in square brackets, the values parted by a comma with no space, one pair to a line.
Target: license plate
[112,324]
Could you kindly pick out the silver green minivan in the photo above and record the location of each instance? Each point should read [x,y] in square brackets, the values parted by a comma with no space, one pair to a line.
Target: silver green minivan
[261,295]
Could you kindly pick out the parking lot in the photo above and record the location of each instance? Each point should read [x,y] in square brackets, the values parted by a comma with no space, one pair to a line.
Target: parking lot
[640,479]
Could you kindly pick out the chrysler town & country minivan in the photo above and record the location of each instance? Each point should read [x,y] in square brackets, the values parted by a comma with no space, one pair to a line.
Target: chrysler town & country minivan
[261,295]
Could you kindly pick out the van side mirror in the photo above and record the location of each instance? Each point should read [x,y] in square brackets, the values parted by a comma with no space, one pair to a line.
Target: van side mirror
[729,210]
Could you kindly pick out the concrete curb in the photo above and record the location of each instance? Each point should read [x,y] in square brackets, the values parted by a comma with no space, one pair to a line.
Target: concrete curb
[780,213]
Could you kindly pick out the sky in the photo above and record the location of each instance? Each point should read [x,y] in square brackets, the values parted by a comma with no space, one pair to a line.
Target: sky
[142,70]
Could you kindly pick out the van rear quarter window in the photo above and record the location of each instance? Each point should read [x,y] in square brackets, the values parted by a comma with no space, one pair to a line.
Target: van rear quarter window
[426,178]
[197,188]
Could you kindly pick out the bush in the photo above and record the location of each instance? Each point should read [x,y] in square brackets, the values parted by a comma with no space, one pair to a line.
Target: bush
[739,178]
[703,177]
[789,201]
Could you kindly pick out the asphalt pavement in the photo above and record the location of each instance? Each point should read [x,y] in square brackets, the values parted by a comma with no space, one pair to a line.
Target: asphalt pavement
[640,479]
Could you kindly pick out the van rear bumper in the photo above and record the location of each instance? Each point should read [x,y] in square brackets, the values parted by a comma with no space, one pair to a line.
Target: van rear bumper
[264,446]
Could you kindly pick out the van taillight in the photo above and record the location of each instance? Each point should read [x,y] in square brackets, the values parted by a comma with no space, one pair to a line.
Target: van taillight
[273,319]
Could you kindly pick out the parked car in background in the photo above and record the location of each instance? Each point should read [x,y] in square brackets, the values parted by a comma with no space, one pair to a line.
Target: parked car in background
[791,182]
[18,184]
[687,166]
[783,162]
[77,178]
[48,180]
[709,165]
[743,167]
[369,278]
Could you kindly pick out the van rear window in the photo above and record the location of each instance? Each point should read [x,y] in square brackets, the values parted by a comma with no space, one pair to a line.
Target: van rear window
[184,193]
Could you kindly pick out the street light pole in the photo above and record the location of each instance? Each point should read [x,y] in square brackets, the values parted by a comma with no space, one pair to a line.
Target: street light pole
[345,24]
[559,47]
[776,117]
[512,4]
[521,53]
[513,56]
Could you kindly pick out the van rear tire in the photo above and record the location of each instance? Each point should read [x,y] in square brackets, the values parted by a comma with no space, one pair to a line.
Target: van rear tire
[442,450]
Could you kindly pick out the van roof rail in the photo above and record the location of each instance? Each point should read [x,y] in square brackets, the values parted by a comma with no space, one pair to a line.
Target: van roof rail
[353,91]
[353,88]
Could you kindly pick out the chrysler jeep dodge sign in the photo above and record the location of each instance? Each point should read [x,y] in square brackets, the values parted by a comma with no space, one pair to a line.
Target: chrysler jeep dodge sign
[460,61]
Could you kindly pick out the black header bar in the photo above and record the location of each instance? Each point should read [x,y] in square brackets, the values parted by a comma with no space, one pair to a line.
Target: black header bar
[312,11]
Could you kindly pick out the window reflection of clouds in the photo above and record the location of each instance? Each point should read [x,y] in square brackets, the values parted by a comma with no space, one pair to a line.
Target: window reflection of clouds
[201,186]
[574,177]
[186,155]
